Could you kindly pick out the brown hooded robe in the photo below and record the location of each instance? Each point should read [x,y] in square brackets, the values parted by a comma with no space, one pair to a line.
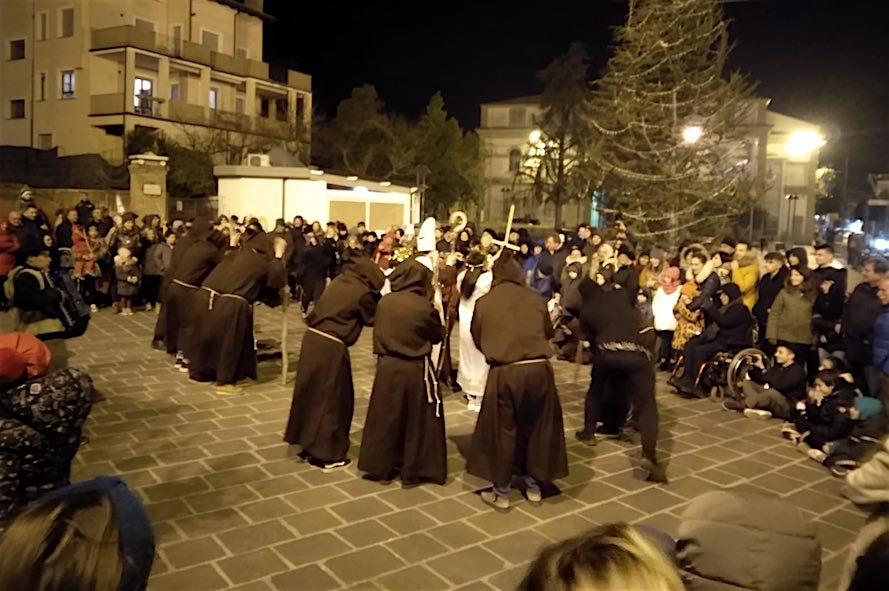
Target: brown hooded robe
[405,429]
[324,396]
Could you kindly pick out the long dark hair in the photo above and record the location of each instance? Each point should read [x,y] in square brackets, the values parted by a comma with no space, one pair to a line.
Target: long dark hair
[808,288]
[475,266]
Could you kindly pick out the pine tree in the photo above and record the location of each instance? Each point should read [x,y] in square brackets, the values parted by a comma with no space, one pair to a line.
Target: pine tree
[672,153]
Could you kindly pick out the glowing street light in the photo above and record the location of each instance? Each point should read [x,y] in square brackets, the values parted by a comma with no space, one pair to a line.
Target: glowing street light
[692,133]
[534,136]
[801,144]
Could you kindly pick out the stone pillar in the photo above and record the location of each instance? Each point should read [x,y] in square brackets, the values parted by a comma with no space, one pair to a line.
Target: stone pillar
[291,106]
[148,185]
[204,92]
[129,83]
[250,98]
[163,86]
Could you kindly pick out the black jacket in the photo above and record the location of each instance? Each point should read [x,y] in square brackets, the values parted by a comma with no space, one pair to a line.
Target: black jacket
[557,261]
[830,421]
[733,321]
[859,317]
[606,316]
[64,235]
[789,381]
[30,235]
[769,287]
[830,305]
[709,286]
[628,279]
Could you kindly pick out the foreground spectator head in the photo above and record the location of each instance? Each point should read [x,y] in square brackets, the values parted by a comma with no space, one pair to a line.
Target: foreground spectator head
[30,212]
[610,557]
[90,536]
[39,260]
[784,354]
[883,291]
[823,255]
[553,242]
[873,270]
[774,261]
[871,573]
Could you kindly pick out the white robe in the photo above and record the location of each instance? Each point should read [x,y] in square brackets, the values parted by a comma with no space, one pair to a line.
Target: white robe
[472,373]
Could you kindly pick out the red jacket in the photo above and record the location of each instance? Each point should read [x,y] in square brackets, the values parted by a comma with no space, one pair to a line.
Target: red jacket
[9,245]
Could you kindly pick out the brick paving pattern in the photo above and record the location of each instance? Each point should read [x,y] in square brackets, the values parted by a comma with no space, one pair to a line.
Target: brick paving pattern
[234,508]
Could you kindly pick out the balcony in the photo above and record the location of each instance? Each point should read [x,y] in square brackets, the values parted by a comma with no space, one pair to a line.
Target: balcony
[130,36]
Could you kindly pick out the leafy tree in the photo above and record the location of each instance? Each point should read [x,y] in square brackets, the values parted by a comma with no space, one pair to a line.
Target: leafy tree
[556,161]
[189,171]
[672,155]
[451,157]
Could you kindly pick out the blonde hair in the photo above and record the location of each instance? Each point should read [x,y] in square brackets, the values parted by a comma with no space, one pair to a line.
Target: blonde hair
[613,557]
[64,544]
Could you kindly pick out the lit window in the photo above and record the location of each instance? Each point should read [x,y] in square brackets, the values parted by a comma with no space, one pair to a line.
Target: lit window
[143,90]
[66,22]
[68,84]
[515,160]
[44,141]
[213,99]
[17,49]
[17,109]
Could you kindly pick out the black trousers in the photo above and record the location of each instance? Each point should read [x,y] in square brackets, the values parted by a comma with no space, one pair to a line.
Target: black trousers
[699,351]
[630,376]
[665,345]
[151,288]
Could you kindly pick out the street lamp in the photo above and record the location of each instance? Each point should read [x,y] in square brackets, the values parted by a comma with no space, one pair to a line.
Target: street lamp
[692,133]
[534,136]
[801,144]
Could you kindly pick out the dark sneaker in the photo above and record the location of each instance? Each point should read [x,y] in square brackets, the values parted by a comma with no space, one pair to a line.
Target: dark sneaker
[586,438]
[655,471]
[734,405]
[330,466]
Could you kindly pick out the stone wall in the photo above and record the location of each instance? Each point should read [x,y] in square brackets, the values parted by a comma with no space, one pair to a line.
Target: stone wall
[51,200]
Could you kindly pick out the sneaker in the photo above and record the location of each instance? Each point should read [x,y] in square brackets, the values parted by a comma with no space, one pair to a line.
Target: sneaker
[757,413]
[148,307]
[229,389]
[817,455]
[533,494]
[158,345]
[329,466]
[499,503]
[735,405]
[178,363]
[94,308]
[183,366]
[839,471]
[788,431]
[474,406]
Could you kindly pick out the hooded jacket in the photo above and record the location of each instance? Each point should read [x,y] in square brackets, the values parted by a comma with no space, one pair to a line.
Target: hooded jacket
[40,429]
[349,302]
[407,324]
[732,541]
[733,320]
[769,288]
[830,305]
[746,277]
[708,282]
[859,316]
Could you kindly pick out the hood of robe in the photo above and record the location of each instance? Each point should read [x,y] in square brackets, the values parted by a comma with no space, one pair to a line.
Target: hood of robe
[411,276]
[367,272]
[201,228]
[260,243]
[506,269]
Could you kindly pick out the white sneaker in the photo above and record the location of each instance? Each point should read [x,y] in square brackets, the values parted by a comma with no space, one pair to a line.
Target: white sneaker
[817,455]
[148,307]
[94,308]
[756,413]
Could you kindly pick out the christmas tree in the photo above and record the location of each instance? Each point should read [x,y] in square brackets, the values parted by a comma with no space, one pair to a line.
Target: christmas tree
[672,154]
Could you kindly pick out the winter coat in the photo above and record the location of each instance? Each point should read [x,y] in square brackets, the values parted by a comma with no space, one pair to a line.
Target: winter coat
[881,340]
[628,280]
[557,261]
[859,317]
[708,282]
[690,323]
[123,238]
[543,285]
[36,302]
[830,420]
[30,235]
[158,259]
[662,306]
[791,318]
[9,245]
[830,305]
[733,321]
[868,486]
[124,270]
[769,288]
[746,277]
[791,381]
[732,541]
[40,430]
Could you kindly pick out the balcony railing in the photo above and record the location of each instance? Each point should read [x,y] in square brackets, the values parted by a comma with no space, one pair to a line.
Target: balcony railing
[131,36]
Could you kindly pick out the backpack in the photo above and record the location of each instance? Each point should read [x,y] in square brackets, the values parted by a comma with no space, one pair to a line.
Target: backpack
[9,286]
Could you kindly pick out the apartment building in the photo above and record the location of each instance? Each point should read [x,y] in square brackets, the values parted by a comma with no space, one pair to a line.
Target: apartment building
[78,75]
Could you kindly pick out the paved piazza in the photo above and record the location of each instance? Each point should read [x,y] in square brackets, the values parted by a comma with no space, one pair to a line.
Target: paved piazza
[234,508]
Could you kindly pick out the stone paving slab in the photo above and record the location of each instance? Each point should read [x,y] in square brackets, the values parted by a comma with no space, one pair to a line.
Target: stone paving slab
[235,509]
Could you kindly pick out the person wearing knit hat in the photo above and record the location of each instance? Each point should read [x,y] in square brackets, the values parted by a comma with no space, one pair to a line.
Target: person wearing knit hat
[651,275]
[22,356]
[664,302]
[626,277]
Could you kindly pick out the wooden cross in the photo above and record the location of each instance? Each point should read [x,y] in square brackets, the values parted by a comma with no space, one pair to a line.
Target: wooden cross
[505,242]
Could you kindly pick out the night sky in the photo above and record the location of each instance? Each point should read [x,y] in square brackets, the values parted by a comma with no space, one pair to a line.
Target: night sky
[822,60]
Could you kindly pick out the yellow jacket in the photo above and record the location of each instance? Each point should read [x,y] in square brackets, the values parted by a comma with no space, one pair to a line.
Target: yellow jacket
[746,276]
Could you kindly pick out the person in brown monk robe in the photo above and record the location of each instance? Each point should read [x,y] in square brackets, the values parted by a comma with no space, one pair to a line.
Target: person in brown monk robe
[221,347]
[323,396]
[404,431]
[520,424]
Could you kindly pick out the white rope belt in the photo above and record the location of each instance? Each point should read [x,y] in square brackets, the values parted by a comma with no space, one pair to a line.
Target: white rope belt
[431,381]
[214,294]
[184,284]
[324,334]
[525,362]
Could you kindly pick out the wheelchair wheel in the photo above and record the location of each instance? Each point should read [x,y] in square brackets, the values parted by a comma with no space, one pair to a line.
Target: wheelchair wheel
[738,367]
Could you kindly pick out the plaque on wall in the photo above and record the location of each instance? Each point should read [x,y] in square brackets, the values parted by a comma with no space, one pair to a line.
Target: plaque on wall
[151,189]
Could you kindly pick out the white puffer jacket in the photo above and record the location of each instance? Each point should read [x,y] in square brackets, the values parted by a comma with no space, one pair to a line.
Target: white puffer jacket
[662,307]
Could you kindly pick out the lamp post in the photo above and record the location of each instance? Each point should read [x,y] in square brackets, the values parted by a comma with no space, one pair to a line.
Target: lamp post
[422,171]
[792,198]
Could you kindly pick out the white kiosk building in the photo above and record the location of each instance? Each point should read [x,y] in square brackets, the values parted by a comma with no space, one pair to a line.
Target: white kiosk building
[272,192]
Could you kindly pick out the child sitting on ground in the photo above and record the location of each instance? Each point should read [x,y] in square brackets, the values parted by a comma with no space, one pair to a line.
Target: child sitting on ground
[827,415]
[774,391]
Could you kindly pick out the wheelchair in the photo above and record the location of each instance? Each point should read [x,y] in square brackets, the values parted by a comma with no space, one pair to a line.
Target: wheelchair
[727,371]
